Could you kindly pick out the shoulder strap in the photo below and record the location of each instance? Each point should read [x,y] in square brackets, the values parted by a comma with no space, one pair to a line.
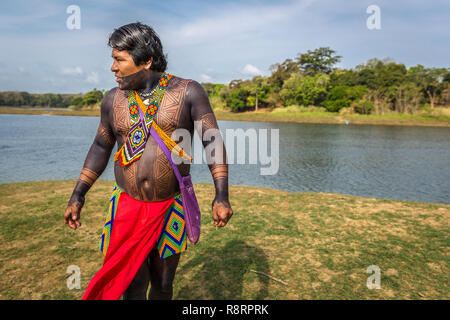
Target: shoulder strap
[167,153]
[172,145]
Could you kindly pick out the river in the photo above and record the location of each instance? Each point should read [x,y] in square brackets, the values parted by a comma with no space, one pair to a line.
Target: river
[392,162]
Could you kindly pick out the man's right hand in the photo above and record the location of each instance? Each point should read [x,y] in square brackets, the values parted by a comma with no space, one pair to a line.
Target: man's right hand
[72,214]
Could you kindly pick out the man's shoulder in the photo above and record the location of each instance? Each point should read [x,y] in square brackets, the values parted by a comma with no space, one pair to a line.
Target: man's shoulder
[111,93]
[189,85]
[177,81]
[108,98]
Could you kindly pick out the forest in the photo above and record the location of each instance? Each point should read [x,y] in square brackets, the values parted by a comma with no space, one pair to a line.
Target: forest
[310,80]
[50,100]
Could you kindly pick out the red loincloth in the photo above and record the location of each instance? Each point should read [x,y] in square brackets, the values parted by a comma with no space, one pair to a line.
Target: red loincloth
[137,226]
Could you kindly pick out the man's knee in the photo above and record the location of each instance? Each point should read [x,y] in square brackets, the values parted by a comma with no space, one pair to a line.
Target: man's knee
[161,289]
[163,285]
[162,275]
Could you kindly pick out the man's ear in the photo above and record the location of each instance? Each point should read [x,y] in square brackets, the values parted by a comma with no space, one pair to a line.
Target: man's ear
[148,64]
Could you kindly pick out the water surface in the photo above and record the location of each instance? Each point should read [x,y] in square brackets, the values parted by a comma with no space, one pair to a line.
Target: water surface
[393,162]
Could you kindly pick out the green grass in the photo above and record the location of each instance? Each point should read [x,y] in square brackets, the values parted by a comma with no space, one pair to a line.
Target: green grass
[320,244]
[84,113]
[442,120]
[335,118]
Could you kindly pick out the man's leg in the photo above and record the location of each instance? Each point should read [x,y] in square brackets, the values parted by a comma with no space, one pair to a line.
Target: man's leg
[137,290]
[162,273]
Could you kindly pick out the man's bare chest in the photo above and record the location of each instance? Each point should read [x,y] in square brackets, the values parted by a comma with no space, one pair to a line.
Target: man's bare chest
[171,114]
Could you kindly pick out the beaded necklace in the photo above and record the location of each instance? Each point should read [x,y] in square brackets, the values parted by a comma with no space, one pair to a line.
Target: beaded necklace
[146,95]
[141,116]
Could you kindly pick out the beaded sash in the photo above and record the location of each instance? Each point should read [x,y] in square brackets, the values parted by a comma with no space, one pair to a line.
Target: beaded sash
[141,118]
[112,209]
[173,235]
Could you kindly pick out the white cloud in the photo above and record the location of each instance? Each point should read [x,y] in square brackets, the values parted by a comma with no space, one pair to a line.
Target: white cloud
[72,71]
[251,70]
[93,78]
[205,78]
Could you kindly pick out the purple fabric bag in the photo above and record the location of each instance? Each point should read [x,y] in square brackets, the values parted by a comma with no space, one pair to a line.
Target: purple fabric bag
[190,205]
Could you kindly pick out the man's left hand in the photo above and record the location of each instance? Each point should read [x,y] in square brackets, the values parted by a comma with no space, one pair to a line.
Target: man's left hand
[222,212]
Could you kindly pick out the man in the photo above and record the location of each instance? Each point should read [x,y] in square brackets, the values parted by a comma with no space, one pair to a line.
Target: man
[146,188]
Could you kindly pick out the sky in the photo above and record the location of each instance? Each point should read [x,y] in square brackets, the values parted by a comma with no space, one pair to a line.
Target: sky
[210,40]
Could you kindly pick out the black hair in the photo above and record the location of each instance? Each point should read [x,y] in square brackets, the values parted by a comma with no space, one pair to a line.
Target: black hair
[141,42]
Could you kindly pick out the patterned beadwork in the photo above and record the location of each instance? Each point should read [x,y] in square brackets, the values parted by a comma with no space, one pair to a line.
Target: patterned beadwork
[141,118]
[173,237]
[106,234]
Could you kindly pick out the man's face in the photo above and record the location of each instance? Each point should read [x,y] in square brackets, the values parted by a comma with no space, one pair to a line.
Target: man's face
[124,68]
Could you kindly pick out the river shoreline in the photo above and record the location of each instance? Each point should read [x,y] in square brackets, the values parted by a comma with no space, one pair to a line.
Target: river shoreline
[290,117]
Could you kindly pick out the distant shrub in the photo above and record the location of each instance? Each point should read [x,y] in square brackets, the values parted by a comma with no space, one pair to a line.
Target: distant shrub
[77,101]
[217,103]
[343,96]
[237,100]
[363,106]
[297,108]
[291,108]
[345,111]
[316,109]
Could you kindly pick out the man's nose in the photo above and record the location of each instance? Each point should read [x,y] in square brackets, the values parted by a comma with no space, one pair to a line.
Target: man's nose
[114,67]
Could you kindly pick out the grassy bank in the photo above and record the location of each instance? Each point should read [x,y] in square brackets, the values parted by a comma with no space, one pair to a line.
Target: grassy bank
[437,119]
[68,112]
[313,245]
[440,120]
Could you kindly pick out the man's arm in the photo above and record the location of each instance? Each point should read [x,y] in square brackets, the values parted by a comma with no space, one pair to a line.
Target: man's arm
[202,112]
[95,163]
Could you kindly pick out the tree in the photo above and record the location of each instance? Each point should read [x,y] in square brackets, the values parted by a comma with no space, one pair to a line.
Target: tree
[309,90]
[208,87]
[51,100]
[343,96]
[25,98]
[77,101]
[92,97]
[282,72]
[377,73]
[238,99]
[235,83]
[344,78]
[318,60]
[290,92]
[406,97]
[391,74]
[363,106]
[259,90]
[431,80]
[367,77]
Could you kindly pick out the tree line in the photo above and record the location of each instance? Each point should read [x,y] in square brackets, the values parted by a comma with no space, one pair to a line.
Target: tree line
[51,100]
[311,79]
